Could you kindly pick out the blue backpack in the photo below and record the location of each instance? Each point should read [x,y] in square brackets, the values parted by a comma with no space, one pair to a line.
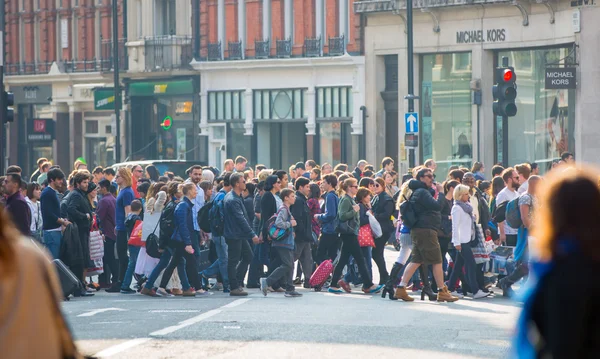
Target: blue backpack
[513,214]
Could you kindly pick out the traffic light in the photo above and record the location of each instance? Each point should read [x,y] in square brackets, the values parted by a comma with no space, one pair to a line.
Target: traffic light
[505,92]
[9,102]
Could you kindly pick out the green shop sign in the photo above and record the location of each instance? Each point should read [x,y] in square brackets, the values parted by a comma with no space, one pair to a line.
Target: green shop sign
[162,88]
[104,98]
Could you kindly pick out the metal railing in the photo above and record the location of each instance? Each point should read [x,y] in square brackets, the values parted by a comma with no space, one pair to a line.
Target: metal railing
[107,53]
[262,49]
[75,65]
[214,51]
[168,52]
[337,46]
[24,68]
[234,50]
[283,48]
[312,47]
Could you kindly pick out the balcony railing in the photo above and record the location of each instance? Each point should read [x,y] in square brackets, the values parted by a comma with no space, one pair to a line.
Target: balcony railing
[168,52]
[312,47]
[107,53]
[235,50]
[284,48]
[337,46]
[76,65]
[262,49]
[214,51]
[24,68]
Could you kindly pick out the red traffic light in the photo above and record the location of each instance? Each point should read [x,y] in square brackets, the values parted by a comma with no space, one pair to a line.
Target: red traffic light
[508,75]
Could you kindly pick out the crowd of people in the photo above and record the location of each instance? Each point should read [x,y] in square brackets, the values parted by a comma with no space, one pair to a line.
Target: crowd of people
[247,227]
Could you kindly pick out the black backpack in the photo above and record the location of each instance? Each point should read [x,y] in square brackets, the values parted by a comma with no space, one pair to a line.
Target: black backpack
[407,213]
[204,217]
[167,222]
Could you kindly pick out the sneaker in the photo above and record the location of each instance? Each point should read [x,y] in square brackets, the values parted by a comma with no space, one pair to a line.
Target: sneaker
[226,290]
[345,286]
[162,292]
[202,292]
[297,281]
[457,294]
[264,288]
[190,292]
[480,294]
[217,287]
[127,291]
[374,289]
[335,290]
[148,292]
[238,293]
[292,294]
[115,288]
[176,292]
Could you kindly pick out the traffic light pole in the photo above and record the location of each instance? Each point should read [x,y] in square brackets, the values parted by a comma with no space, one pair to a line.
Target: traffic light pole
[3,119]
[505,141]
[410,97]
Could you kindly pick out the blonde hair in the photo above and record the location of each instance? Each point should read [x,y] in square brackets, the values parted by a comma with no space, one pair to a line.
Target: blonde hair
[262,175]
[460,191]
[125,174]
[405,194]
[346,184]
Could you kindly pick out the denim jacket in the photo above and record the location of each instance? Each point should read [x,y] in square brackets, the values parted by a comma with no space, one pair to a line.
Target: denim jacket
[183,222]
[236,222]
[329,218]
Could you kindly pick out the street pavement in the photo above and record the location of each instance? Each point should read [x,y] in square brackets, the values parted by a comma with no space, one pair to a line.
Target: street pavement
[318,325]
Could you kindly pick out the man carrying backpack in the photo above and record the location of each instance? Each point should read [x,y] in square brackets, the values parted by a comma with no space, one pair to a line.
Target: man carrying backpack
[217,223]
[508,235]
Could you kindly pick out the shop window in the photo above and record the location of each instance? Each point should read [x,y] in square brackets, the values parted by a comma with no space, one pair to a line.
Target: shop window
[91,127]
[335,143]
[238,143]
[286,104]
[543,127]
[334,102]
[446,110]
[226,106]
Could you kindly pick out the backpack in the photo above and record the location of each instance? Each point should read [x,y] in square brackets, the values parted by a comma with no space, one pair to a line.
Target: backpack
[167,222]
[407,213]
[204,217]
[499,214]
[217,218]
[513,214]
[276,234]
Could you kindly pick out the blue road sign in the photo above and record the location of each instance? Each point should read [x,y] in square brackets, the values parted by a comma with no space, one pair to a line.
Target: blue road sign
[411,120]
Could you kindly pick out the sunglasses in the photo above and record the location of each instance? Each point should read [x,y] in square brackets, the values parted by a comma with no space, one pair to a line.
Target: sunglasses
[377,185]
[430,176]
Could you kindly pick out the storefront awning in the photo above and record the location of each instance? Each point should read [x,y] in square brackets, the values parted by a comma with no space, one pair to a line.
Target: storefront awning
[161,88]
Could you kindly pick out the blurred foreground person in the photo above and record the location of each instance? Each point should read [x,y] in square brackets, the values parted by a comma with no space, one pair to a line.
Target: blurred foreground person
[557,323]
[29,300]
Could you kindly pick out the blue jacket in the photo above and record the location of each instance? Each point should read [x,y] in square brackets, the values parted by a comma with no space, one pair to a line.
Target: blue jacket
[217,206]
[183,222]
[50,208]
[236,220]
[329,218]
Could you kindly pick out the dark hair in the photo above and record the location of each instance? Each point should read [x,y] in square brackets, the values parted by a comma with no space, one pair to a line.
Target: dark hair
[497,170]
[484,186]
[172,188]
[194,167]
[171,175]
[507,174]
[97,170]
[79,177]
[14,169]
[365,182]
[153,173]
[240,159]
[109,171]
[477,166]
[317,171]
[285,193]
[497,186]
[341,167]
[280,174]
[386,161]
[206,185]
[227,179]
[534,166]
[448,185]
[235,178]
[331,179]
[369,168]
[301,182]
[362,194]
[136,205]
[312,163]
[55,174]
[164,179]
[456,175]
[315,191]
[105,184]
[565,155]
[260,168]
[250,187]
[422,172]
[368,173]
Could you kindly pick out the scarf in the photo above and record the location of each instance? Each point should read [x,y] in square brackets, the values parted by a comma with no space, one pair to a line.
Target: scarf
[466,206]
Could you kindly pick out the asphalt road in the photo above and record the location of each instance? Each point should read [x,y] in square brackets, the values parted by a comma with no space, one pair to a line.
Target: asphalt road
[317,325]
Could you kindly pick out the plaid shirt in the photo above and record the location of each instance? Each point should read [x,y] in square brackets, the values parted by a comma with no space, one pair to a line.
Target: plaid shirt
[314,208]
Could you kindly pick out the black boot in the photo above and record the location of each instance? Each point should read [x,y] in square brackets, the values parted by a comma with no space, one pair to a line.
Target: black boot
[426,290]
[392,280]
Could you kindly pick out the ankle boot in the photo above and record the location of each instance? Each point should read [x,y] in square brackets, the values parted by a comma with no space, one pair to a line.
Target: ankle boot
[392,280]
[426,290]
[445,296]
[401,294]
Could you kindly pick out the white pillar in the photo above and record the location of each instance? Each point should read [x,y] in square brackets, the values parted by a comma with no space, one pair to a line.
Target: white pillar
[221,24]
[320,21]
[289,18]
[343,19]
[266,20]
[311,123]
[242,25]
[203,113]
[249,124]
[72,132]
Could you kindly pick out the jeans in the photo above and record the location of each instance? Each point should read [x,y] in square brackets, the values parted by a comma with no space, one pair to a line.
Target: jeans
[134,251]
[285,272]
[220,265]
[367,253]
[239,251]
[110,260]
[52,241]
[465,258]
[379,258]
[328,247]
[260,258]
[350,247]
[122,254]
[191,267]
[303,254]
[195,237]
[162,264]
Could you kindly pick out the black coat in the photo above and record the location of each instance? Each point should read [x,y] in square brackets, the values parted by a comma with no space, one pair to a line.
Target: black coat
[427,209]
[71,252]
[78,207]
[268,207]
[383,209]
[301,214]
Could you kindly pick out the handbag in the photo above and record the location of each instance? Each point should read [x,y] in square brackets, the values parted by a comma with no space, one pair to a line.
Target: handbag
[375,226]
[152,247]
[480,251]
[96,242]
[135,239]
[365,236]
[347,227]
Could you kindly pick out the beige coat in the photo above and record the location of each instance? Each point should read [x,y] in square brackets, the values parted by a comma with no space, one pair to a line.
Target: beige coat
[30,324]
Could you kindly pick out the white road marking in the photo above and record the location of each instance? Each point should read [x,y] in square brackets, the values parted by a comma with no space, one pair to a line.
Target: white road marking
[97,311]
[186,323]
[348,295]
[107,322]
[231,327]
[235,303]
[121,347]
[174,311]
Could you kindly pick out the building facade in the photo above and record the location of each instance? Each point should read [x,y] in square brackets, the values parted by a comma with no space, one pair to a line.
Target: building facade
[457,45]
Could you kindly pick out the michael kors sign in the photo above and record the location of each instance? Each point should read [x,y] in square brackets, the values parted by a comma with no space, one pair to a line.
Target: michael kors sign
[473,36]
